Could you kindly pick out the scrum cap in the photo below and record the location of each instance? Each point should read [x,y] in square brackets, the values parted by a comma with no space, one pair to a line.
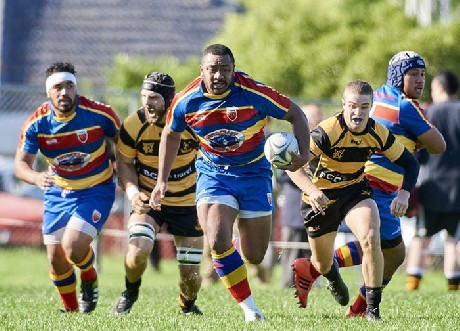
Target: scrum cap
[160,83]
[400,64]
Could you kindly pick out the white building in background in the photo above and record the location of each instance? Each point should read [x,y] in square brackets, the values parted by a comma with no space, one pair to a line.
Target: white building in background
[428,11]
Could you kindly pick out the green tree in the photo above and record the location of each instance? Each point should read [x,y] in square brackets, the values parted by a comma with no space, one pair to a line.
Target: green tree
[310,49]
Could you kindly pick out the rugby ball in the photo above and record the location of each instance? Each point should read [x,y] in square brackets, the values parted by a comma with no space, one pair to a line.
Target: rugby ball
[278,146]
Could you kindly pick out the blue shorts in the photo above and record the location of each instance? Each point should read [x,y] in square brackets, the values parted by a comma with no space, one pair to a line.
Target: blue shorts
[92,205]
[251,191]
[390,225]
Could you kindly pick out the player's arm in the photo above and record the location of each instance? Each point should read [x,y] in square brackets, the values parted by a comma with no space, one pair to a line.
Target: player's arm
[23,169]
[169,146]
[128,181]
[299,123]
[433,141]
[317,198]
[408,162]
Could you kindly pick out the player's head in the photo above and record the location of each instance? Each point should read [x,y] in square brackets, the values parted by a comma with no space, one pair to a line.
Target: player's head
[157,92]
[356,104]
[313,113]
[217,69]
[443,86]
[61,86]
[406,71]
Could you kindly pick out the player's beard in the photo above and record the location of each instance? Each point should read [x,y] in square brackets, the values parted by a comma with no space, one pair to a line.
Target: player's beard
[66,107]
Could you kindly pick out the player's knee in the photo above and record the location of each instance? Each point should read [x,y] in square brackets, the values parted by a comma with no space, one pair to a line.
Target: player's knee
[371,241]
[141,239]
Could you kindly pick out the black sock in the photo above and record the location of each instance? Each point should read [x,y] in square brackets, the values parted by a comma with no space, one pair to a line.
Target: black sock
[373,297]
[333,274]
[134,287]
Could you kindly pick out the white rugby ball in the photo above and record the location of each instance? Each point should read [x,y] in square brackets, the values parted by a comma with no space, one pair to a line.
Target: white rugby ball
[278,146]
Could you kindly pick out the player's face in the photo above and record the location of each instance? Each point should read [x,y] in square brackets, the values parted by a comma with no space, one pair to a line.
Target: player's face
[63,96]
[414,83]
[356,108]
[217,72]
[153,104]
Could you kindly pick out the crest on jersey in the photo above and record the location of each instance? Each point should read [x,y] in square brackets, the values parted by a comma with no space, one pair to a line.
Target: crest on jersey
[270,199]
[82,136]
[96,216]
[232,113]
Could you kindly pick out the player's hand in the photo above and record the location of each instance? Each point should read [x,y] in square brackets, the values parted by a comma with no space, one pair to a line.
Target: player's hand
[44,180]
[157,194]
[297,162]
[318,200]
[399,205]
[140,203]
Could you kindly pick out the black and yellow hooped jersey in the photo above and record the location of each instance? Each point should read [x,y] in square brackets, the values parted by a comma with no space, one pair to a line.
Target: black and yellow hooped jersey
[140,141]
[340,155]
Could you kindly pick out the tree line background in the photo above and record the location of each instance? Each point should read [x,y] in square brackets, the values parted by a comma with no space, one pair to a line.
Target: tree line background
[311,49]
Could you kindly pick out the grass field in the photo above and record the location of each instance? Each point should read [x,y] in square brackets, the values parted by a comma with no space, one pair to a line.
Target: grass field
[29,302]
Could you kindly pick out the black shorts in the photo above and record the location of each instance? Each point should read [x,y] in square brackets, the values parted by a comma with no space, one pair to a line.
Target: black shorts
[180,221]
[430,222]
[341,201]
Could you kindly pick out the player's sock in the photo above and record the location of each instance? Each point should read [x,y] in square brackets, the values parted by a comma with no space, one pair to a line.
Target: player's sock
[452,283]
[413,282]
[359,306]
[348,255]
[373,297]
[66,286]
[233,273]
[87,270]
[133,287]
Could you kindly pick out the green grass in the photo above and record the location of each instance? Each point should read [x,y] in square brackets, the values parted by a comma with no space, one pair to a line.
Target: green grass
[29,302]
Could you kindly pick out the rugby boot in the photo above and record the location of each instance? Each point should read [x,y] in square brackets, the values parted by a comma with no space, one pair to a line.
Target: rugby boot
[89,295]
[303,280]
[125,302]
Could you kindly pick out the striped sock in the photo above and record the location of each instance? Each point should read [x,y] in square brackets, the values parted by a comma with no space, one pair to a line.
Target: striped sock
[233,273]
[348,255]
[87,270]
[66,285]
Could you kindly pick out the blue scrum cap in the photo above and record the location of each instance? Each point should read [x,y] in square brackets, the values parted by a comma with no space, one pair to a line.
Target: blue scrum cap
[400,64]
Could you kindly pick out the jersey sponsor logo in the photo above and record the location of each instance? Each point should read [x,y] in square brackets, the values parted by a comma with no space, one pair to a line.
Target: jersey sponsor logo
[51,141]
[72,161]
[225,140]
[232,113]
[82,136]
[96,217]
[150,174]
[356,142]
[333,177]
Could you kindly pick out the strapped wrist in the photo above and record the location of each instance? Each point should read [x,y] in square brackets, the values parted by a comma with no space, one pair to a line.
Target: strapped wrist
[131,191]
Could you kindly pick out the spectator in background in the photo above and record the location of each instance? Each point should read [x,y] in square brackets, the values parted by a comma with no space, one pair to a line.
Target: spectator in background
[440,186]
[292,227]
[70,131]
[137,173]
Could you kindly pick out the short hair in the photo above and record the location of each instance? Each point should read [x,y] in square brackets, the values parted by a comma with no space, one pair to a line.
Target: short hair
[360,87]
[448,80]
[218,49]
[60,67]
